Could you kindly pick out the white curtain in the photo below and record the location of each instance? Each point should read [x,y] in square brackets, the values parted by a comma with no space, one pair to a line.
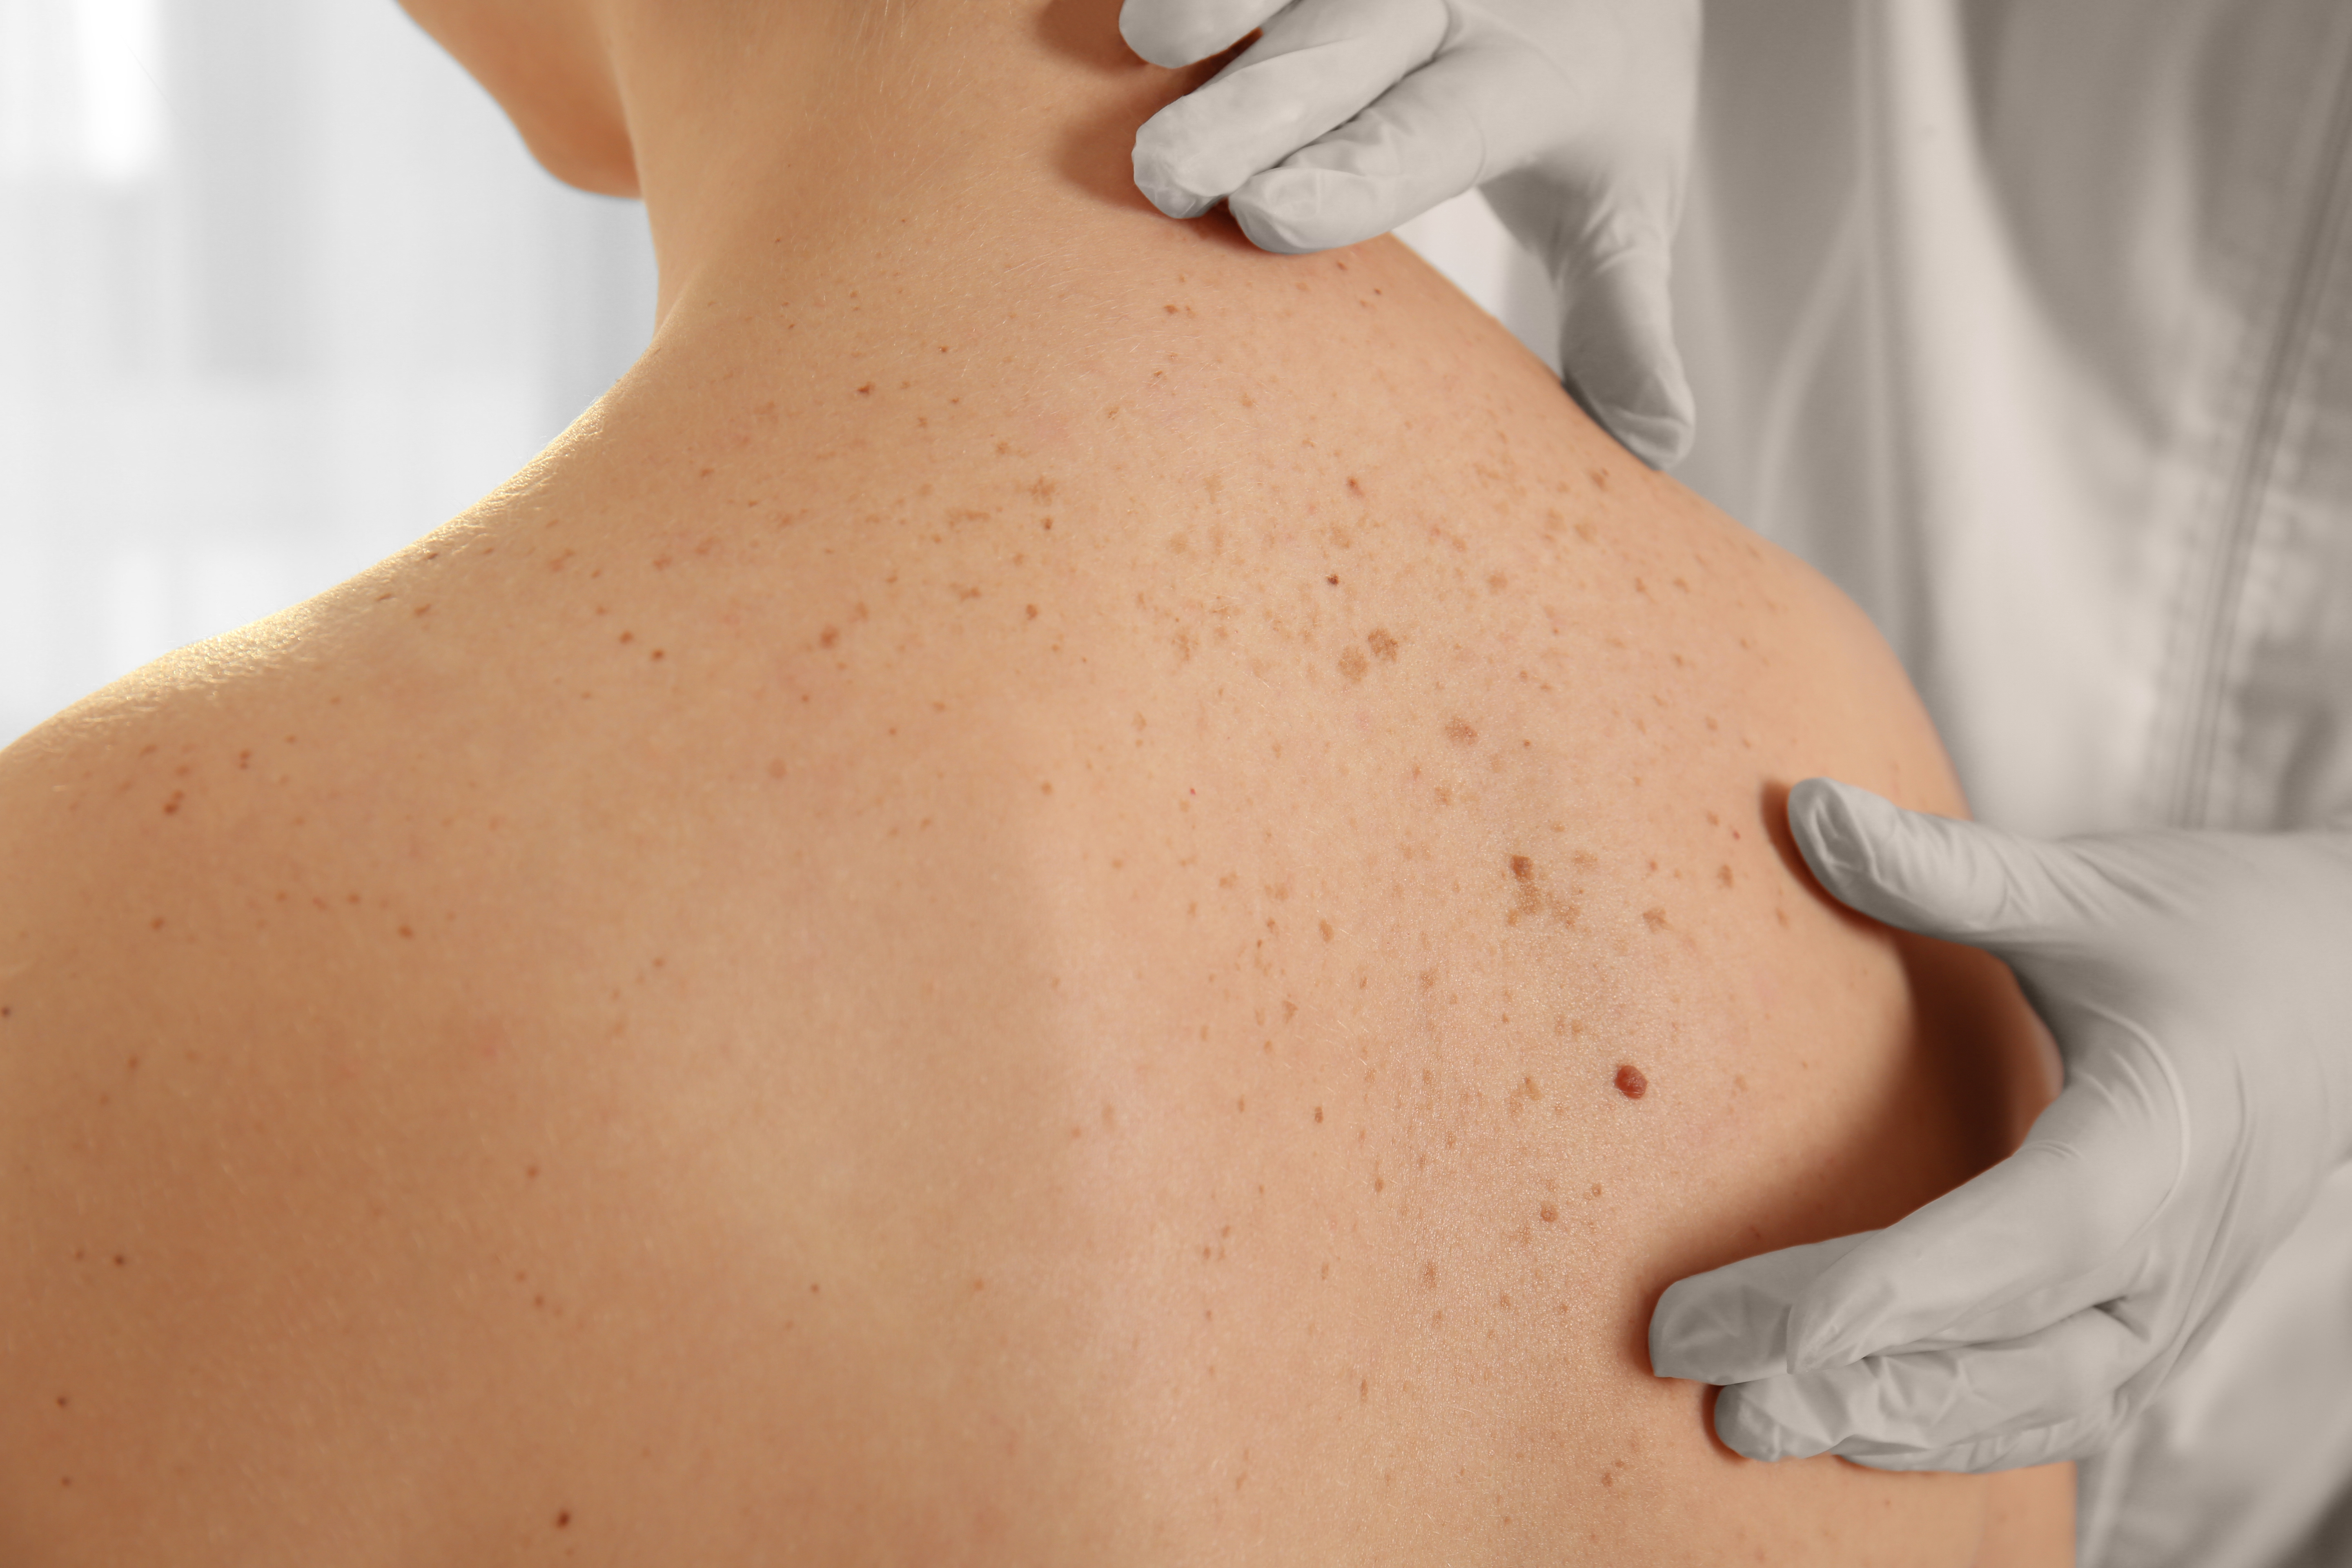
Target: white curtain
[281,290]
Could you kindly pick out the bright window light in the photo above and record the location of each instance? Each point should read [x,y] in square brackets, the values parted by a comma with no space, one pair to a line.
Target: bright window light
[80,94]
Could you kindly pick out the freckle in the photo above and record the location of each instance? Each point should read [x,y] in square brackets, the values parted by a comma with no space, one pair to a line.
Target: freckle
[657,653]
[1327,930]
[828,637]
[1522,868]
[1631,1083]
[1723,875]
[563,1519]
[405,931]
[1379,1183]
[172,806]
[1599,478]
[1352,664]
[155,924]
[1657,917]
[1460,732]
[1548,1213]
[120,1261]
[1046,787]
[815,1290]
[1031,610]
[1109,1114]
[867,390]
[628,637]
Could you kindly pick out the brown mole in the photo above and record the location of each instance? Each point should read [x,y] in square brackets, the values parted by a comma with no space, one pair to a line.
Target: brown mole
[1631,1083]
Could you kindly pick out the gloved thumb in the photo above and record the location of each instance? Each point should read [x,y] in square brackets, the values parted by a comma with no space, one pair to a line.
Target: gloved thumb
[1610,266]
[1940,876]
[1618,357]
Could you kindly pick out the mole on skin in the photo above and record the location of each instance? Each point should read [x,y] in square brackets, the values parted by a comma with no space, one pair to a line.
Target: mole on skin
[1631,1083]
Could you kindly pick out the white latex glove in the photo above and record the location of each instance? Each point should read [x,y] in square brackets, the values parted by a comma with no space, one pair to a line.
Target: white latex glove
[1348,117]
[2200,987]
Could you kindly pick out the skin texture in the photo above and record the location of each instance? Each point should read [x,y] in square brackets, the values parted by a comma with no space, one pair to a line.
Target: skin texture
[1000,916]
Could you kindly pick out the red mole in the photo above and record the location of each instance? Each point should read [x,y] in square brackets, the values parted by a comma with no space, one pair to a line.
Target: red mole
[1631,1083]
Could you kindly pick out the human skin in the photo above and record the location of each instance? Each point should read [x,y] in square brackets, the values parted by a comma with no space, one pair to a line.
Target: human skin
[994,917]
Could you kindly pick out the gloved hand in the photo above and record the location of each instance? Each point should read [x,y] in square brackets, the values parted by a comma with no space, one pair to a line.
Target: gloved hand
[1348,117]
[2200,987]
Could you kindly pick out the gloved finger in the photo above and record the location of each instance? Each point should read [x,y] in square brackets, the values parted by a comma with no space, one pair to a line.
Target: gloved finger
[1428,138]
[2047,1232]
[1731,1324]
[1174,33]
[1609,256]
[2039,1237]
[1319,62]
[1617,349]
[1958,880]
[2092,1432]
[1889,1406]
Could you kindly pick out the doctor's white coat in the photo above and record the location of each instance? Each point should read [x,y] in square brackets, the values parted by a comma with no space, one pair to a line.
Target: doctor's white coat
[2030,323]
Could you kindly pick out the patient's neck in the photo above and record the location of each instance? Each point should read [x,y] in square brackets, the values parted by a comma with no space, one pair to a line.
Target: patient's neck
[923,257]
[863,294]
[811,192]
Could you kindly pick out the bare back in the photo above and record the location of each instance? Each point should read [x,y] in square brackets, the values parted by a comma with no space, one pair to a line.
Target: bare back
[1001,1009]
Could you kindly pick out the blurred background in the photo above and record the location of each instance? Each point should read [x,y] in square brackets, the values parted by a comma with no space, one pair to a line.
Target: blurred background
[281,290]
